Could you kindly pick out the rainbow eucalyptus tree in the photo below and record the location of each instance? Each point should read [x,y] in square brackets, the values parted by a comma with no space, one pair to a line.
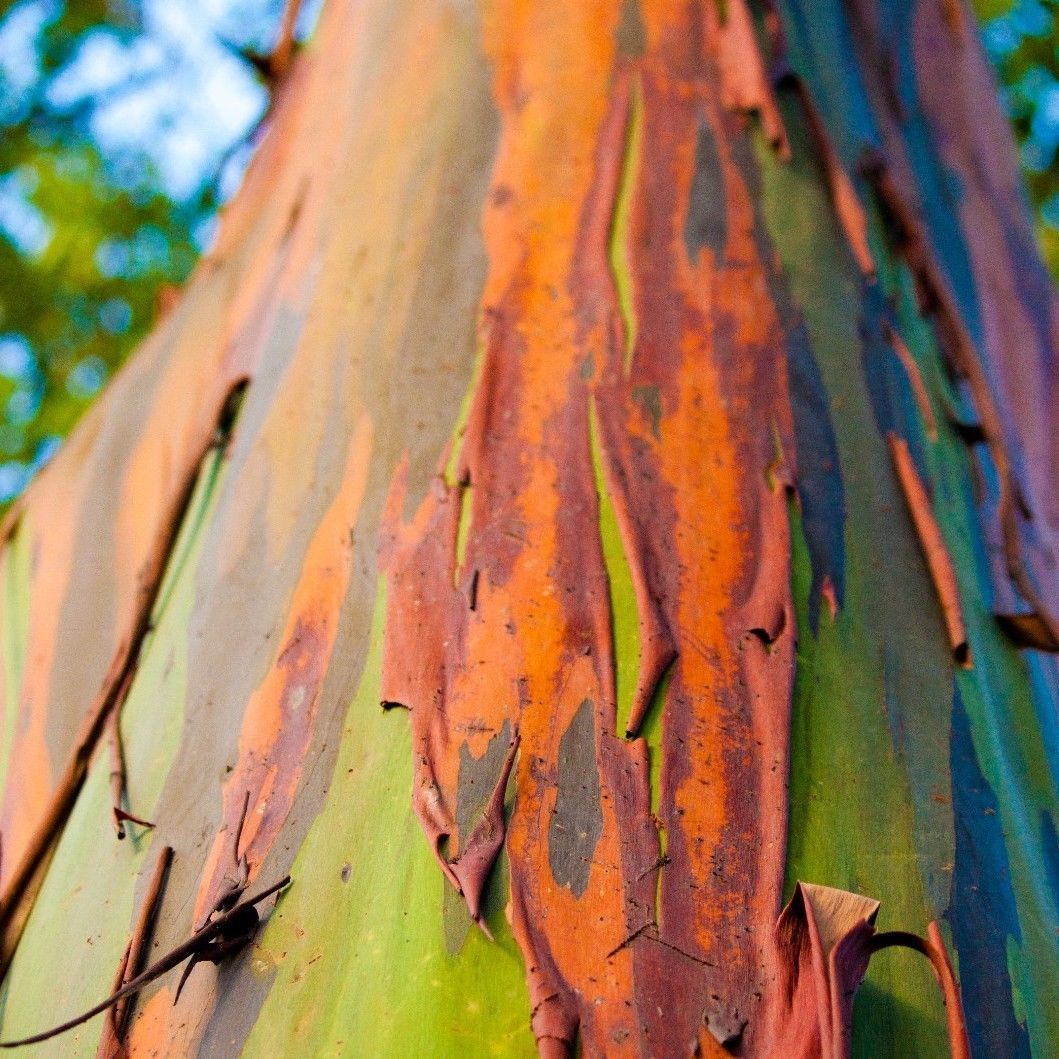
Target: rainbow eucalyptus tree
[591,521]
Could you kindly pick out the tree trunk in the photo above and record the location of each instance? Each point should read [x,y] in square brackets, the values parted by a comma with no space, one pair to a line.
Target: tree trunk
[656,400]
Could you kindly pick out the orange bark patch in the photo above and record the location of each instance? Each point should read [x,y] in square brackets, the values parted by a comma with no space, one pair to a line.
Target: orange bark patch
[278,721]
[687,436]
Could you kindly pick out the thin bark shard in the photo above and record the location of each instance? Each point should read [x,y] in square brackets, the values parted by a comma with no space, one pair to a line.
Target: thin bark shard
[935,551]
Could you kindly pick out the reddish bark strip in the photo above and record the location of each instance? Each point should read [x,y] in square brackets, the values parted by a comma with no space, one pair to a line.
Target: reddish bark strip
[935,552]
[844,198]
[745,83]
[111,1044]
[279,719]
[915,380]
[933,947]
[687,438]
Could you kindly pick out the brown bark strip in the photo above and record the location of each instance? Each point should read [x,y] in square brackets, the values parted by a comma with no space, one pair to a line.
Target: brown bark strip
[17,898]
[745,84]
[939,562]
[936,296]
[915,380]
[111,1044]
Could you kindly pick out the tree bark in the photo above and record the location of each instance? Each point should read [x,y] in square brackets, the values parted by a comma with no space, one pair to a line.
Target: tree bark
[652,407]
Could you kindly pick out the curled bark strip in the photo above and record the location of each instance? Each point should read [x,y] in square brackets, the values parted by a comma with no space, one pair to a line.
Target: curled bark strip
[479,851]
[824,943]
[933,947]
[235,925]
[826,940]
[111,1044]
[915,380]
[554,1023]
[657,651]
[844,198]
[936,296]
[935,552]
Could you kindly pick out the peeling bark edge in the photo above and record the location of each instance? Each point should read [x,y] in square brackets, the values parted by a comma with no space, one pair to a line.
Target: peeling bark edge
[16,902]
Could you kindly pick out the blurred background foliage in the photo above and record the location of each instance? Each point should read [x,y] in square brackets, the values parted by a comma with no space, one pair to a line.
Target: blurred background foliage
[1022,39]
[124,124]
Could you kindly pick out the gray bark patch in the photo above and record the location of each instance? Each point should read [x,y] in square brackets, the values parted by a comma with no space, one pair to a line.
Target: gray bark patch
[577,821]
[474,787]
[706,223]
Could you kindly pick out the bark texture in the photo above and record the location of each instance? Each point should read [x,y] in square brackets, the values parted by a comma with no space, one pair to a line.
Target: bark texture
[652,406]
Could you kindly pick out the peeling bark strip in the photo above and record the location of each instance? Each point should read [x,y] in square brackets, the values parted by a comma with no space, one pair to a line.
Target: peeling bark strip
[844,198]
[1017,584]
[112,1044]
[745,83]
[915,380]
[623,527]
[22,885]
[935,552]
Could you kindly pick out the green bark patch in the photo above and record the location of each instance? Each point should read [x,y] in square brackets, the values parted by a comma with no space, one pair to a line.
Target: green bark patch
[618,249]
[357,945]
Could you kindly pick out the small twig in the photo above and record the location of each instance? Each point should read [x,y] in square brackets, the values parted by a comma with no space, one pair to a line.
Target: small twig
[118,775]
[280,58]
[230,928]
